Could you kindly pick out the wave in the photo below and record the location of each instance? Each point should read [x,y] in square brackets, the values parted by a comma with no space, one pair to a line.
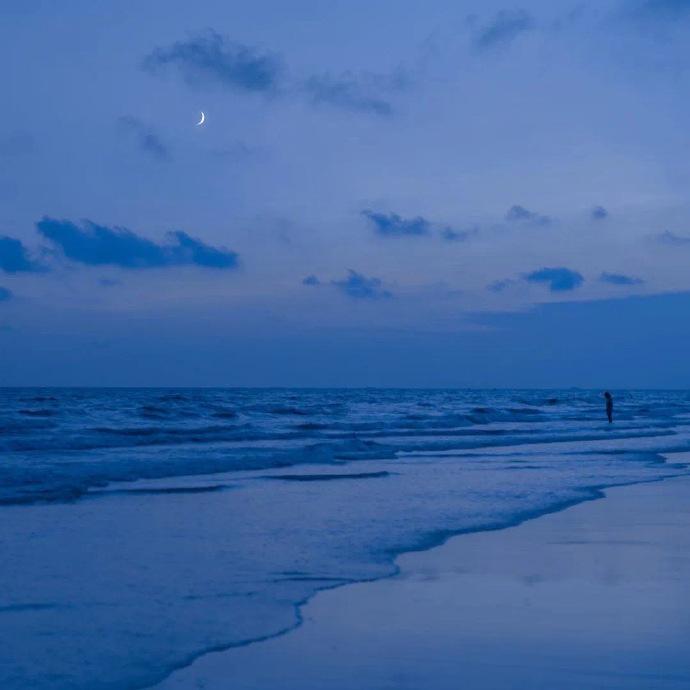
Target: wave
[169,490]
[291,411]
[75,439]
[72,476]
[241,578]
[326,477]
[225,414]
[38,413]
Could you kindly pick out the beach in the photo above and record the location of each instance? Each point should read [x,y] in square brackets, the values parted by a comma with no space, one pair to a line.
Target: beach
[595,596]
[149,534]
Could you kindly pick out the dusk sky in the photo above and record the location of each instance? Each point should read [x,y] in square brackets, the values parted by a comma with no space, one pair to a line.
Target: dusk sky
[438,193]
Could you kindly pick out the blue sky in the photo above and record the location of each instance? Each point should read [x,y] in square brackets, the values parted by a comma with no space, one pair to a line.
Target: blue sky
[383,193]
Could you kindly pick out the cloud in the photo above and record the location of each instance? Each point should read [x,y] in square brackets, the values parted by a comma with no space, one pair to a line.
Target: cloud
[193,251]
[212,59]
[99,245]
[392,225]
[14,257]
[599,213]
[346,92]
[619,279]
[5,294]
[519,214]
[311,280]
[671,238]
[503,29]
[558,279]
[145,136]
[359,286]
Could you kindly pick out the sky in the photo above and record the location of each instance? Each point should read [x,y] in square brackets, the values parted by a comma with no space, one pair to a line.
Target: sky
[383,193]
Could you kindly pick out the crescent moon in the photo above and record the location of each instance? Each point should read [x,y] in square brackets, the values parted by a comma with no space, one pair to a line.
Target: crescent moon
[203,119]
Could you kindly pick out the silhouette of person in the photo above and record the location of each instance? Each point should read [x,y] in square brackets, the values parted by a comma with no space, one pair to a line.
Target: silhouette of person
[609,406]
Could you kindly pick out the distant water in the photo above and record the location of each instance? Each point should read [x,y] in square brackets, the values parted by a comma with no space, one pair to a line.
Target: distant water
[140,528]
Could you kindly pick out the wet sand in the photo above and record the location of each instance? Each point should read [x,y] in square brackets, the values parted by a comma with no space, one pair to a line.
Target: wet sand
[593,597]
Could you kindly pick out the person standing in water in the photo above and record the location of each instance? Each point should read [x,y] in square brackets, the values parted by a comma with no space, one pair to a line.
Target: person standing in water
[609,406]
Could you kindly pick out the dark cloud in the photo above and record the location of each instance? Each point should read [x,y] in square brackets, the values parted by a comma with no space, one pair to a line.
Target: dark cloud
[311,280]
[14,257]
[189,250]
[669,237]
[519,214]
[98,245]
[504,28]
[392,225]
[145,136]
[619,279]
[346,92]
[359,286]
[599,213]
[558,279]
[5,294]
[211,59]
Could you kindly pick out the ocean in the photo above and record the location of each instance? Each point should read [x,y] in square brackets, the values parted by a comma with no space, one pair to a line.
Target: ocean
[142,528]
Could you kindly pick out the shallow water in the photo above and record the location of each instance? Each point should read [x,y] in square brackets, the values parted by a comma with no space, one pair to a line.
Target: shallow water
[142,528]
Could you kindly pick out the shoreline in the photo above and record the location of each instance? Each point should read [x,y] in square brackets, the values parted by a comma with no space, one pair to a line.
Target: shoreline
[210,669]
[188,574]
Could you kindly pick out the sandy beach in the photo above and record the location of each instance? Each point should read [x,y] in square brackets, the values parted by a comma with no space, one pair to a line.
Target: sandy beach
[300,543]
[593,597]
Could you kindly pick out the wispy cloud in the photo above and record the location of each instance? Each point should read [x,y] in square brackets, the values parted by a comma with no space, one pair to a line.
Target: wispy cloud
[347,92]
[14,257]
[519,214]
[145,136]
[212,59]
[359,286]
[99,245]
[558,279]
[669,237]
[503,29]
[5,294]
[620,279]
[311,280]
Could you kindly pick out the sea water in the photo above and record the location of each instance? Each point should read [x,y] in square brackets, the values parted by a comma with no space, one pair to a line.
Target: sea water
[142,528]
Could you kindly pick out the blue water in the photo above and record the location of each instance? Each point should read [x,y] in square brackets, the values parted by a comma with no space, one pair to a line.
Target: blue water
[142,528]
